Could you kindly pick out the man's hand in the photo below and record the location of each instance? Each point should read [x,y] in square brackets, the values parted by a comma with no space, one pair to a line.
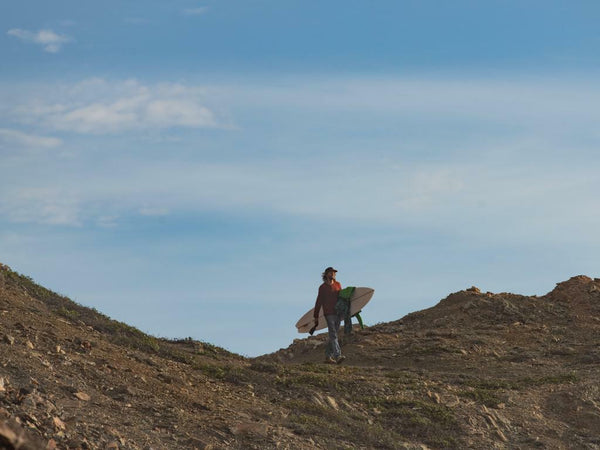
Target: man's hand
[312,330]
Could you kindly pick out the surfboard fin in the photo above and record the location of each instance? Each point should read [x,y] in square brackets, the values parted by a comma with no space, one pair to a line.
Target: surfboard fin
[312,330]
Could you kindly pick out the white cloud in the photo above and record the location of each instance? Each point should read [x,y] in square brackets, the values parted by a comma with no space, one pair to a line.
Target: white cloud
[98,106]
[51,41]
[12,138]
[523,175]
[542,103]
[43,205]
[195,11]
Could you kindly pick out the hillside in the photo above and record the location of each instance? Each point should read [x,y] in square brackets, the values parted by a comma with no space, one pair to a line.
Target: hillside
[478,370]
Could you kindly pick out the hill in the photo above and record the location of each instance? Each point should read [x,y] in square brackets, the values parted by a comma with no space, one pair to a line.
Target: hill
[478,370]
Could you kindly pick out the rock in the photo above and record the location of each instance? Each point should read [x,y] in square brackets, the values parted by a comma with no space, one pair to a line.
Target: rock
[29,344]
[165,378]
[32,400]
[82,396]
[13,436]
[78,443]
[2,383]
[331,402]
[316,400]
[8,339]
[121,393]
[250,428]
[501,436]
[59,424]
[8,437]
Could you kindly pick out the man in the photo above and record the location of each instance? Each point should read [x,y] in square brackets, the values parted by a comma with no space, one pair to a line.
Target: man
[327,298]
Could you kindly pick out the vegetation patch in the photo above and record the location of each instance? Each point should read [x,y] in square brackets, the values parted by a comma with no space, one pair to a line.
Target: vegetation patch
[560,378]
[264,367]
[310,419]
[70,314]
[488,392]
[429,422]
[229,373]
[298,379]
[521,383]
[486,397]
[434,349]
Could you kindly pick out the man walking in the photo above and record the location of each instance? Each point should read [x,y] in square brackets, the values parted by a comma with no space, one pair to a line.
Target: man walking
[326,299]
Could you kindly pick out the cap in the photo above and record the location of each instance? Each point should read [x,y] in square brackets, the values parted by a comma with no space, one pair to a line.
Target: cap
[330,269]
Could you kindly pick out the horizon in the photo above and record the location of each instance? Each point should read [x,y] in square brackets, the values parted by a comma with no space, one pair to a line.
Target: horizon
[191,169]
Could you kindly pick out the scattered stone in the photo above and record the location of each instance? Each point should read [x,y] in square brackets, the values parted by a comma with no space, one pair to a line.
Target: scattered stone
[82,396]
[120,393]
[316,400]
[501,436]
[453,402]
[8,437]
[435,396]
[29,344]
[14,437]
[250,428]
[8,339]
[331,402]
[32,400]
[59,424]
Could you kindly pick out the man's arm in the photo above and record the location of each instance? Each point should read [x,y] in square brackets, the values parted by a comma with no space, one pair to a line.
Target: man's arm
[318,304]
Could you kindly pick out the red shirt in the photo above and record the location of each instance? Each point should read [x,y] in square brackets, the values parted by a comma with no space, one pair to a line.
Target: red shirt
[327,298]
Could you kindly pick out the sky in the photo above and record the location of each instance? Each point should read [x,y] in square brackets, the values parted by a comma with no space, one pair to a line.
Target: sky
[191,167]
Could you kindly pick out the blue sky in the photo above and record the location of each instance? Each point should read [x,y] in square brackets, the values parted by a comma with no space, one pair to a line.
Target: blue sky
[190,168]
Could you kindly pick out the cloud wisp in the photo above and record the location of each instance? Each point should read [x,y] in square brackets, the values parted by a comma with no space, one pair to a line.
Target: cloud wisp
[15,138]
[97,106]
[517,172]
[476,200]
[51,41]
[41,205]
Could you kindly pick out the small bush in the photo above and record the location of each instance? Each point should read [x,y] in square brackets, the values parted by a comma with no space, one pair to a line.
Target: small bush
[484,396]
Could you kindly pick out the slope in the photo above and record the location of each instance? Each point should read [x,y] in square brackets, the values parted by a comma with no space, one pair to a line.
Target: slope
[478,370]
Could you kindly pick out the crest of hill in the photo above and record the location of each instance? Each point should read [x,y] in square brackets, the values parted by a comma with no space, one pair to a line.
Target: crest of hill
[42,301]
[468,316]
[478,370]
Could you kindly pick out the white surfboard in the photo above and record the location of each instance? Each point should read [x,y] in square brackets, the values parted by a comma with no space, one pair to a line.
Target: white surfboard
[360,297]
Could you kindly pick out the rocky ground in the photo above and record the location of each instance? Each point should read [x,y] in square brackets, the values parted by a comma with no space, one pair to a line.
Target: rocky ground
[478,370]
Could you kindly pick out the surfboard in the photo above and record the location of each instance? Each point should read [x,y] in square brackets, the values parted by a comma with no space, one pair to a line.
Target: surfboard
[360,297]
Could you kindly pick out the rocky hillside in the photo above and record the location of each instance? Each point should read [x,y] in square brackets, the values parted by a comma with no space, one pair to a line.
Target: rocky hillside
[478,370]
